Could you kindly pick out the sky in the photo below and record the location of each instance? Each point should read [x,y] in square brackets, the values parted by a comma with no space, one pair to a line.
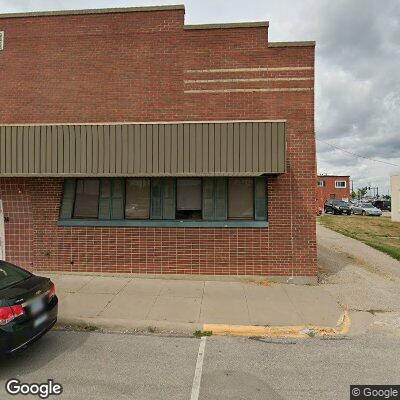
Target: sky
[357,69]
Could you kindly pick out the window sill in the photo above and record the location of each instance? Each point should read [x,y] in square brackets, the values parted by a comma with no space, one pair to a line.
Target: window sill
[163,223]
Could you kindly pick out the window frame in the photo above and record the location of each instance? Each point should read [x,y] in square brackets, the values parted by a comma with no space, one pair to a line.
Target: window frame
[340,187]
[259,218]
[323,183]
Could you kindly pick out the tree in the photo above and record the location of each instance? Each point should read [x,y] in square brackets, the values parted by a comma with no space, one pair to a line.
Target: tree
[362,192]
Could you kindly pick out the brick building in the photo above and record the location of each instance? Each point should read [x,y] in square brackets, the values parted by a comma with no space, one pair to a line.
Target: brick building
[131,142]
[332,187]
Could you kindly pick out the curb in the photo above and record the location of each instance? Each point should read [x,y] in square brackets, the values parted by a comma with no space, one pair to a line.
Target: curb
[124,325]
[299,332]
[184,328]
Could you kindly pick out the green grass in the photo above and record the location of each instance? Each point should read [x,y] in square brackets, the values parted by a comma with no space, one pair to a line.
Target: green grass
[202,333]
[381,233]
[391,251]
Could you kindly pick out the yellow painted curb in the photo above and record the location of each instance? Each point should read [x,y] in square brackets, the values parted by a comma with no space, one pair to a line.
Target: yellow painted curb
[300,332]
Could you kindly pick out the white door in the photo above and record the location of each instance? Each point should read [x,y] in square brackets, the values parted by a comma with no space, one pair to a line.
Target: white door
[2,235]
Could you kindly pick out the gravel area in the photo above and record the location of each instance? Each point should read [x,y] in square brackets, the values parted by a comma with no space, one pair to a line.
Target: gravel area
[361,278]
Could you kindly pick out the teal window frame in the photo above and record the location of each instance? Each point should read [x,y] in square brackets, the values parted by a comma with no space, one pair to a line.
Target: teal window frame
[163,205]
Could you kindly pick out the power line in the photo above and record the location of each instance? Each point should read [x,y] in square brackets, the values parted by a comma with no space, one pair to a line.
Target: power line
[358,155]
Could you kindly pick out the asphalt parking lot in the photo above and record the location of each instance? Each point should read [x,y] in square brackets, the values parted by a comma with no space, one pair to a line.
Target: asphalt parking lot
[99,366]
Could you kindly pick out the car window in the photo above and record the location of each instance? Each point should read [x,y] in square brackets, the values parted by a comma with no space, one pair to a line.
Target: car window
[367,205]
[10,274]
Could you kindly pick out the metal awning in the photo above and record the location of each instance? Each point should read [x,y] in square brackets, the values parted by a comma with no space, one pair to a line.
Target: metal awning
[144,149]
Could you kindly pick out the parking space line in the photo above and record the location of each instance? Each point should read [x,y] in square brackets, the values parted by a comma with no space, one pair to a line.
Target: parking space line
[199,370]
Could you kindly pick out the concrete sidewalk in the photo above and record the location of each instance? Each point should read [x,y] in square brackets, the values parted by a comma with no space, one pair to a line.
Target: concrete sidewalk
[131,302]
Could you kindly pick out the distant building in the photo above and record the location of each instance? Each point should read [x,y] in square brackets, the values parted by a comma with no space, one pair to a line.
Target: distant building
[332,187]
[395,188]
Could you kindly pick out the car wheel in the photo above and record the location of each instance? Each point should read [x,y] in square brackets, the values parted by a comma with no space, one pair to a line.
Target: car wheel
[348,212]
[364,213]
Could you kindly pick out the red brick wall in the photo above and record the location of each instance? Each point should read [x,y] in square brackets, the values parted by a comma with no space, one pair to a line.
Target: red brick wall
[326,192]
[16,197]
[35,241]
[132,67]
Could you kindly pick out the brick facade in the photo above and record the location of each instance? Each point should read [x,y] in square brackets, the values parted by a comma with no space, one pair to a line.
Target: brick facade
[329,191]
[138,66]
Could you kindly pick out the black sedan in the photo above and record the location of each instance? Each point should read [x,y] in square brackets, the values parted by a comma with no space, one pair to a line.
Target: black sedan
[28,307]
[337,207]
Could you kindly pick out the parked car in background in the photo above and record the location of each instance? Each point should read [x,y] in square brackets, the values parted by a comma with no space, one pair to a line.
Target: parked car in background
[337,207]
[366,209]
[352,203]
[28,307]
[384,205]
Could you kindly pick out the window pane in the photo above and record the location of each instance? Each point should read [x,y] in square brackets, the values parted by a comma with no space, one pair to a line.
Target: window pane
[188,198]
[137,205]
[241,198]
[106,188]
[189,194]
[86,198]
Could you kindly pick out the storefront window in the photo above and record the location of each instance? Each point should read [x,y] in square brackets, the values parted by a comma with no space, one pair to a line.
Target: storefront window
[240,198]
[169,201]
[188,198]
[137,203]
[86,198]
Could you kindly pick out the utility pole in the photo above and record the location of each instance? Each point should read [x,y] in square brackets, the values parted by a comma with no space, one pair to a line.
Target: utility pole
[374,188]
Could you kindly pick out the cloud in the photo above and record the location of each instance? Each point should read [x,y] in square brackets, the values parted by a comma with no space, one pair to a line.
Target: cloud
[357,68]
[358,88]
